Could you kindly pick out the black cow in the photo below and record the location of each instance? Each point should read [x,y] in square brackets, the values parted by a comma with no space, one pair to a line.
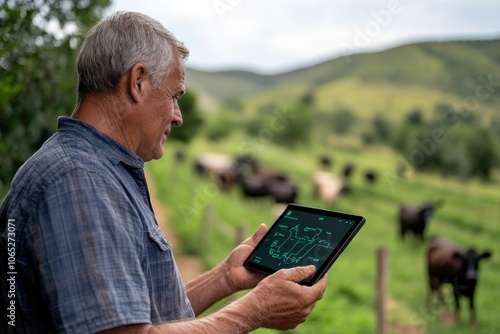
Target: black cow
[179,155]
[447,263]
[414,219]
[253,185]
[282,191]
[199,168]
[325,161]
[347,170]
[370,176]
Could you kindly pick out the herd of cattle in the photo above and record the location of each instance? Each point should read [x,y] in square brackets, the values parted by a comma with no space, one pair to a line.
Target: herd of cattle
[446,262]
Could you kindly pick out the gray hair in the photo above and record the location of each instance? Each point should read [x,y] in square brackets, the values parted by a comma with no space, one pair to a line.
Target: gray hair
[119,42]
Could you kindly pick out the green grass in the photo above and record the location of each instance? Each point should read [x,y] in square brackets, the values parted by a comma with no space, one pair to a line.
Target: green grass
[206,218]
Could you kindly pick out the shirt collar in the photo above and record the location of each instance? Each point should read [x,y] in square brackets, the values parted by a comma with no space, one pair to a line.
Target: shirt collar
[115,151]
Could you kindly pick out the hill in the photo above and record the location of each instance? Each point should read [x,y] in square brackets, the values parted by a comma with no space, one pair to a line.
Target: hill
[395,80]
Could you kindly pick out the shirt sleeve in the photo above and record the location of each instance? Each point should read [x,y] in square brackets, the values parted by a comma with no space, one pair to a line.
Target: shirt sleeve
[88,252]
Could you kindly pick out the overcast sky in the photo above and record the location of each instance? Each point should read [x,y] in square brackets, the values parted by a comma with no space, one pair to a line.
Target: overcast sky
[271,36]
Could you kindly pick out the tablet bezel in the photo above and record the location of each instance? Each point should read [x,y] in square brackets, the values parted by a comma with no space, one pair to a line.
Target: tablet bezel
[325,266]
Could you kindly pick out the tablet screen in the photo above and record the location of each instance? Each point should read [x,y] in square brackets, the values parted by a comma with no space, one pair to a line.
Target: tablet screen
[302,236]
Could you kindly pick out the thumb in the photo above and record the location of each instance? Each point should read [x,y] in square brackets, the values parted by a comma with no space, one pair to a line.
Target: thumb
[258,234]
[299,273]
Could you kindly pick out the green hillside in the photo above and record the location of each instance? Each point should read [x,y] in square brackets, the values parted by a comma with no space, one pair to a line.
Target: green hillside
[395,80]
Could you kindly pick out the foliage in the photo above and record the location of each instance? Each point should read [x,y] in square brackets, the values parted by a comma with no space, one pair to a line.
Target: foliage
[342,120]
[291,125]
[415,117]
[465,151]
[234,104]
[37,71]
[191,116]
[381,127]
[219,126]
[308,99]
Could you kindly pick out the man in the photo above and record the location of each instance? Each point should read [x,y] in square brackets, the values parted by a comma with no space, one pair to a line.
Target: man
[89,255]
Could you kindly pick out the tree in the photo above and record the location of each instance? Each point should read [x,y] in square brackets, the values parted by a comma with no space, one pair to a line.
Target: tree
[291,125]
[220,126]
[481,151]
[415,117]
[342,120]
[191,117]
[37,71]
[381,127]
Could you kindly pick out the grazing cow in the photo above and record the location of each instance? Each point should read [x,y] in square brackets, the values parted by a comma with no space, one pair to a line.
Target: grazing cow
[347,170]
[199,168]
[370,176]
[327,186]
[325,161]
[447,263]
[179,155]
[282,191]
[414,219]
[213,165]
[255,185]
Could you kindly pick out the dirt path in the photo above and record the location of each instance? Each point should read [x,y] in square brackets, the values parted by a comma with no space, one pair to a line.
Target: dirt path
[189,266]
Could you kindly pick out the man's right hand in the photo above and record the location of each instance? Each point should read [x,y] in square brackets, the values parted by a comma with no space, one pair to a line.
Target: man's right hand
[279,302]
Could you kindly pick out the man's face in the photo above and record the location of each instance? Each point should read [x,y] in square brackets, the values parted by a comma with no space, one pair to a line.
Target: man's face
[161,112]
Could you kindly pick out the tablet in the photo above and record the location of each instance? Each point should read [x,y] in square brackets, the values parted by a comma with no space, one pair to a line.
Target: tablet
[302,236]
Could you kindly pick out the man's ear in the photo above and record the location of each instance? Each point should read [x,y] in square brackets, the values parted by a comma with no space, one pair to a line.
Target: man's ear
[136,82]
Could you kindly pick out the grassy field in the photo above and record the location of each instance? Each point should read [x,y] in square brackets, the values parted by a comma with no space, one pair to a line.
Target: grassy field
[206,219]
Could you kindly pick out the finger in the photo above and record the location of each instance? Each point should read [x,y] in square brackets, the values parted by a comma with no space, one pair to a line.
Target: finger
[258,235]
[298,274]
[322,282]
[320,287]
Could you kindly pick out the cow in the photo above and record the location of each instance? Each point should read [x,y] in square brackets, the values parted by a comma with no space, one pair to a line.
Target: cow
[255,185]
[347,170]
[414,219]
[282,191]
[325,161]
[447,263]
[370,176]
[327,186]
[179,156]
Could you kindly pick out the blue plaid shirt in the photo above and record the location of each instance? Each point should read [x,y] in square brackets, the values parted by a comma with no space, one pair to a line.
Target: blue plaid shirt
[89,254]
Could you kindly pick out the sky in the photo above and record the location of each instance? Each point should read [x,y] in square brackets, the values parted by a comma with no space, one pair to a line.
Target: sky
[275,36]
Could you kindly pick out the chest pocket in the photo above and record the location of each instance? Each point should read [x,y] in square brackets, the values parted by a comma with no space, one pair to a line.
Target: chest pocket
[156,235]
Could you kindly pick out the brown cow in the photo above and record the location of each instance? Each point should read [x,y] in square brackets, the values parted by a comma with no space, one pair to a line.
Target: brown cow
[447,263]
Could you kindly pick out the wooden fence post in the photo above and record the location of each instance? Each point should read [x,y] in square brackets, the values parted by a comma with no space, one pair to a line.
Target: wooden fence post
[240,234]
[206,223]
[381,286]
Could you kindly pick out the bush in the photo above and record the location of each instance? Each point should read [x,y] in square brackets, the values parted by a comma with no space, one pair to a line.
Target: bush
[220,126]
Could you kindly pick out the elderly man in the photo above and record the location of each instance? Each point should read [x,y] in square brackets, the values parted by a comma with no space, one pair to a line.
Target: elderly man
[89,255]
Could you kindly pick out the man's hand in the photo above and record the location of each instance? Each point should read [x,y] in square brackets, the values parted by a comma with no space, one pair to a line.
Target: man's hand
[238,277]
[280,302]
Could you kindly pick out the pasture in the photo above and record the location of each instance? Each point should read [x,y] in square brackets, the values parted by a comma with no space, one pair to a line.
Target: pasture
[206,218]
